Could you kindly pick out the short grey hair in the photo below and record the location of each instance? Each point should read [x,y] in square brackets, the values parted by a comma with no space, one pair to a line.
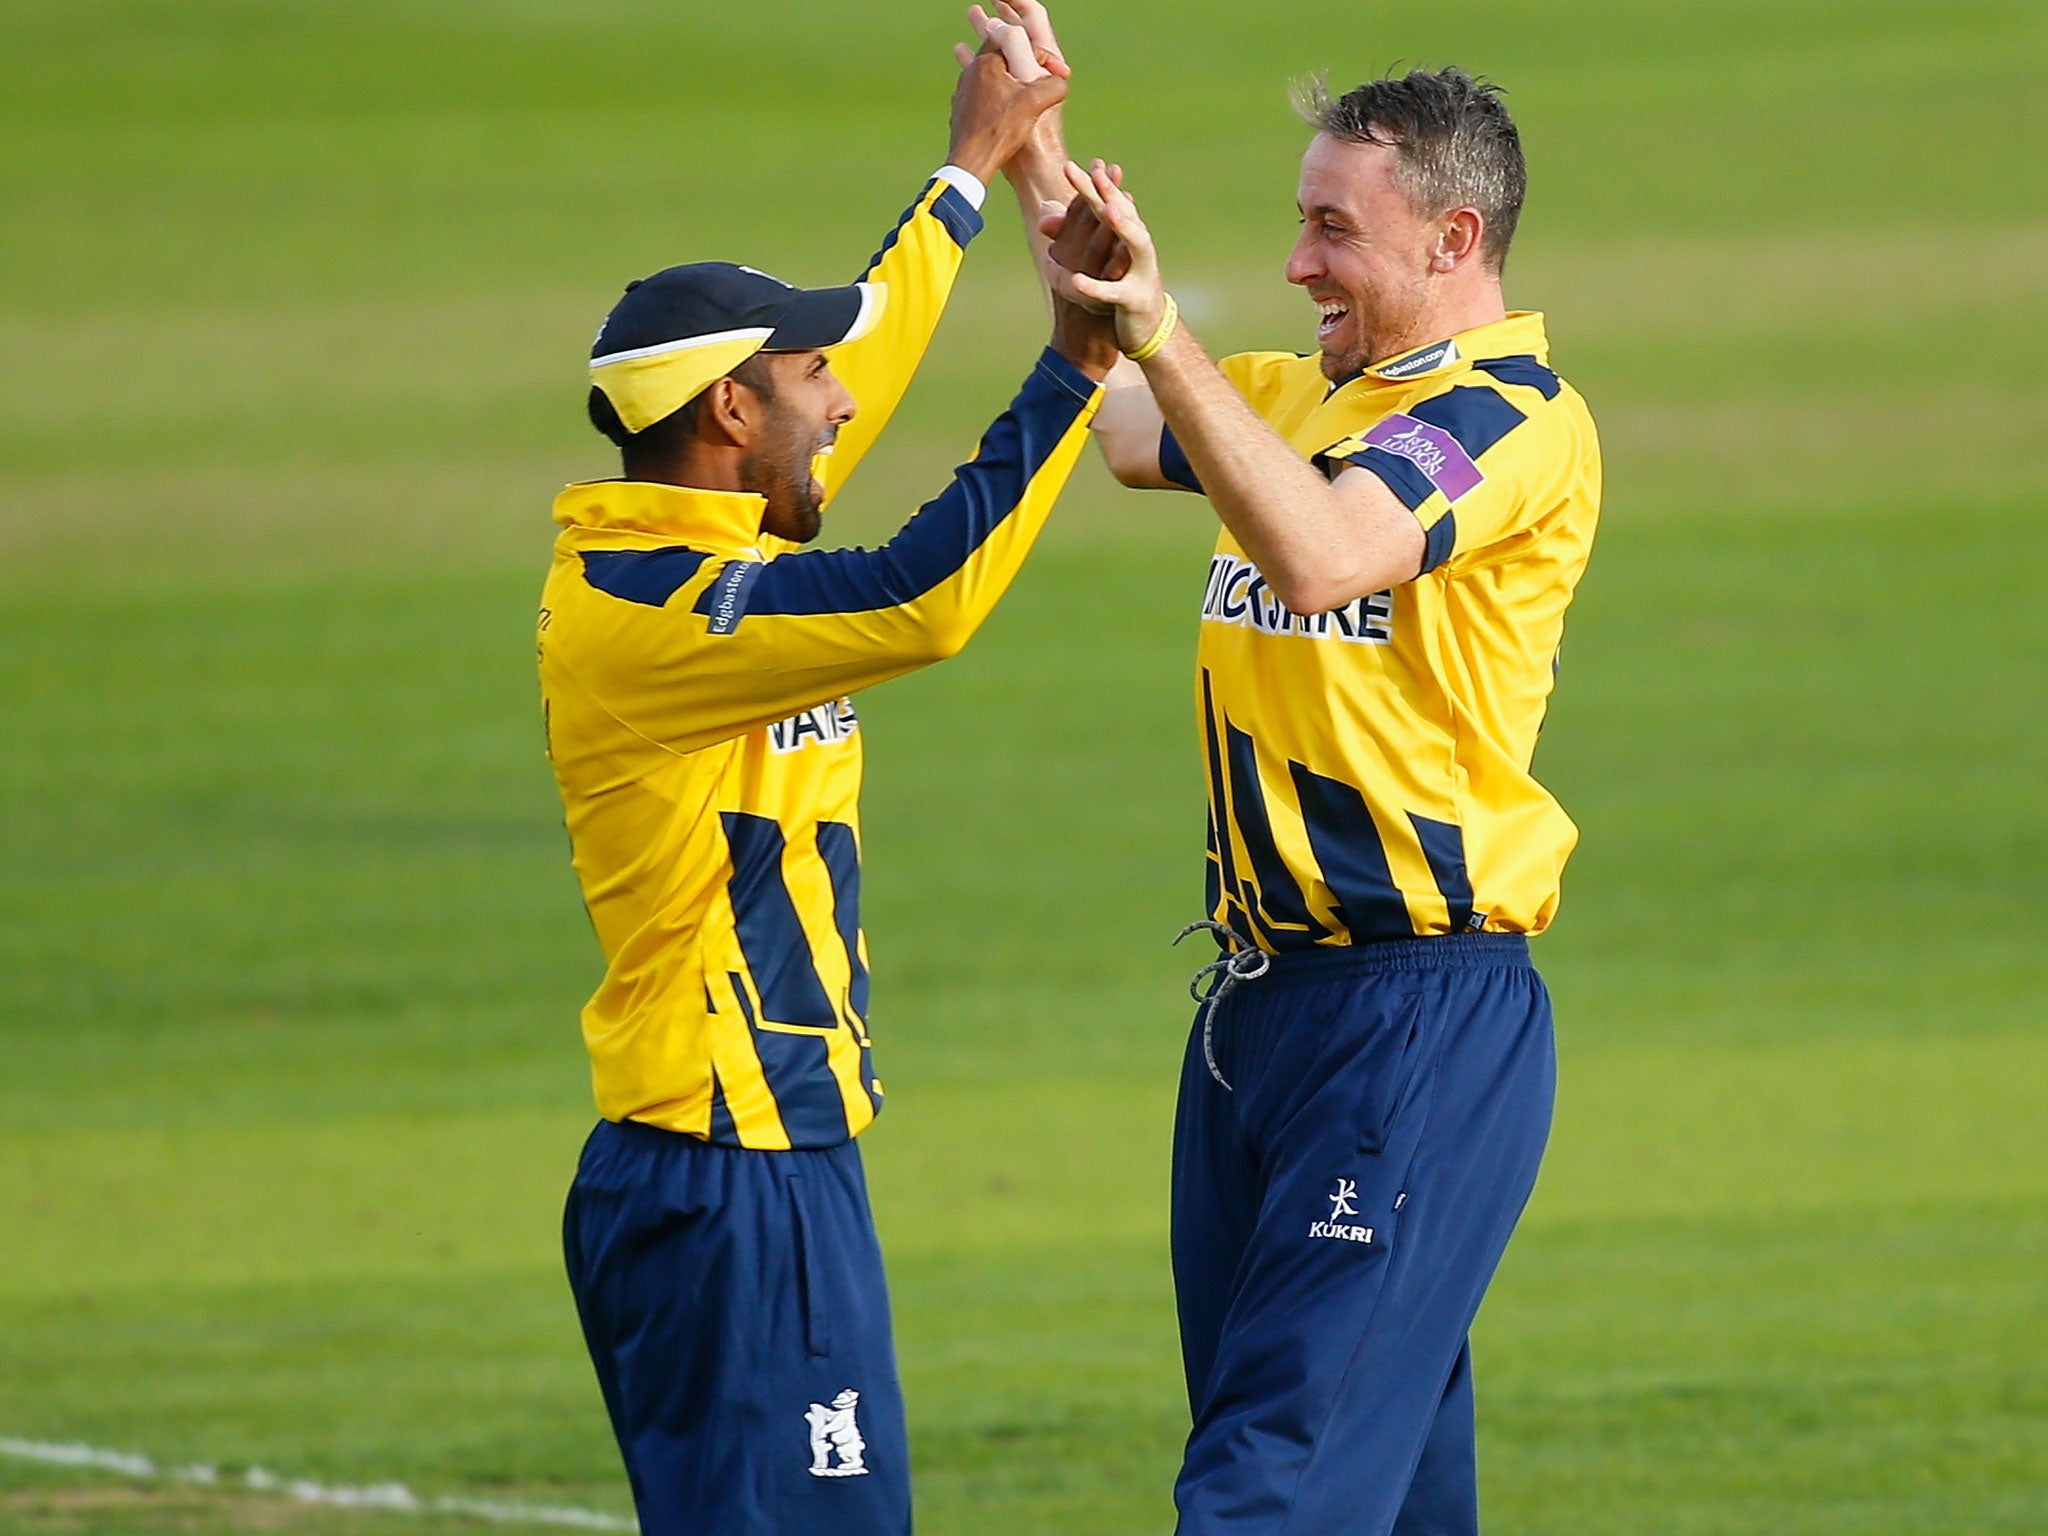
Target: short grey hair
[1454,143]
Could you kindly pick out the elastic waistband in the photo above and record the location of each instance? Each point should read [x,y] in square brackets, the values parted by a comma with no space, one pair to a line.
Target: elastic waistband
[660,1141]
[1441,952]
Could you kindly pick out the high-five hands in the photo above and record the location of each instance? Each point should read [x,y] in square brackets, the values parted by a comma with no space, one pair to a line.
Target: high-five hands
[995,108]
[1017,43]
[1022,33]
[1103,255]
[1082,244]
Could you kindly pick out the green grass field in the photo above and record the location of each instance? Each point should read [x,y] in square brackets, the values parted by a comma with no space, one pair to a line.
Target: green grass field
[293,304]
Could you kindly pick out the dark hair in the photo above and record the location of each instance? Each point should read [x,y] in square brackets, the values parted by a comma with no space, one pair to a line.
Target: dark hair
[664,438]
[1455,144]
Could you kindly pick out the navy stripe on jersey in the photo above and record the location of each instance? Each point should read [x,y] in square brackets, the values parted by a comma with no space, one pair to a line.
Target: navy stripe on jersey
[649,576]
[1478,417]
[1212,874]
[1219,812]
[1443,844]
[1439,542]
[896,231]
[1408,483]
[1284,913]
[1347,846]
[725,600]
[1401,476]
[837,848]
[961,229]
[962,219]
[723,1130]
[1523,369]
[945,533]
[798,1071]
[778,954]
[1173,462]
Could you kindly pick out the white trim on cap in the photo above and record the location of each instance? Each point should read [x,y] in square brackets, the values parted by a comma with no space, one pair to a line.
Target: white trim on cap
[874,297]
[688,343]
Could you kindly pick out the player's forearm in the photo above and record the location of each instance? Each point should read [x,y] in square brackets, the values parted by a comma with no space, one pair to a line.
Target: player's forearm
[1318,546]
[918,264]
[1127,429]
[840,620]
[985,523]
[743,640]
[1312,553]
[1037,177]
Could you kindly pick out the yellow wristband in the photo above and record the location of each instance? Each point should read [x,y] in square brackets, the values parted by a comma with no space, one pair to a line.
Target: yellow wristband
[1167,324]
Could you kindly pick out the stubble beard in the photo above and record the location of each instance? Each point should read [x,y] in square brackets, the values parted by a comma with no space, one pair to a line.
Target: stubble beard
[1385,323]
[781,473]
[1339,366]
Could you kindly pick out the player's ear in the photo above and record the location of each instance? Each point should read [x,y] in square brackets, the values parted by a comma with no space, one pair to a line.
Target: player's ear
[730,411]
[1459,239]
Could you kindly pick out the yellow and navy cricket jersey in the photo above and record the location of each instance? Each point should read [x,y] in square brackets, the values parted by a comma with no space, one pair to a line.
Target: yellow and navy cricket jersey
[695,676]
[1369,769]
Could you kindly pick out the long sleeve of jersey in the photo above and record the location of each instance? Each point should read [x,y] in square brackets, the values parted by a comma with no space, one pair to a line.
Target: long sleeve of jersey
[918,263]
[689,648]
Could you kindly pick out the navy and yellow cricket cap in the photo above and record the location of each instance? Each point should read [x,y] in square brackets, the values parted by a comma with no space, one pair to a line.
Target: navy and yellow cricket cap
[678,332]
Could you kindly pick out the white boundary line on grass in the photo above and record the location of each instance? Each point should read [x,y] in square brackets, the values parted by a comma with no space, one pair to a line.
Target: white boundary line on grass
[394,1497]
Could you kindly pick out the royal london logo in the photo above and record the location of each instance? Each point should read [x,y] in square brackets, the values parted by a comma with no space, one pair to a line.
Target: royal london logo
[1432,449]
[1343,1202]
[837,1449]
[1238,594]
[823,725]
[1419,449]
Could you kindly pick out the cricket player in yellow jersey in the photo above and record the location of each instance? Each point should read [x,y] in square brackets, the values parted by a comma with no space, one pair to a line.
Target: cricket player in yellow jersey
[696,667]
[1406,514]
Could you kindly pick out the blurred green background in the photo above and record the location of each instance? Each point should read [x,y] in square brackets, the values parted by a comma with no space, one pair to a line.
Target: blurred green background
[294,298]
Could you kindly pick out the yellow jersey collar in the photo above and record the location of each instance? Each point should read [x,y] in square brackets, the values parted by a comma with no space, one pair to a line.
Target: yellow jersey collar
[715,519]
[1521,334]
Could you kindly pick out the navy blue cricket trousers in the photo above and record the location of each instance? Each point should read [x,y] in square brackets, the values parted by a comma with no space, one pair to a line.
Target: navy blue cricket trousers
[1338,1212]
[735,1309]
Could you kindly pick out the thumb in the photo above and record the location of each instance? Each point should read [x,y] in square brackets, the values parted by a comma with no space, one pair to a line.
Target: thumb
[1094,288]
[1120,212]
[1043,94]
[1017,53]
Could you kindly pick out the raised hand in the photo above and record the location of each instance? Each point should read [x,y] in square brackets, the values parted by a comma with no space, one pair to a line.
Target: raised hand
[1081,243]
[1116,264]
[1025,17]
[1008,41]
[1022,30]
[994,110]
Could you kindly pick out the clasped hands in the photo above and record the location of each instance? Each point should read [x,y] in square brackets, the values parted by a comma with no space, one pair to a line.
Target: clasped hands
[1102,257]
